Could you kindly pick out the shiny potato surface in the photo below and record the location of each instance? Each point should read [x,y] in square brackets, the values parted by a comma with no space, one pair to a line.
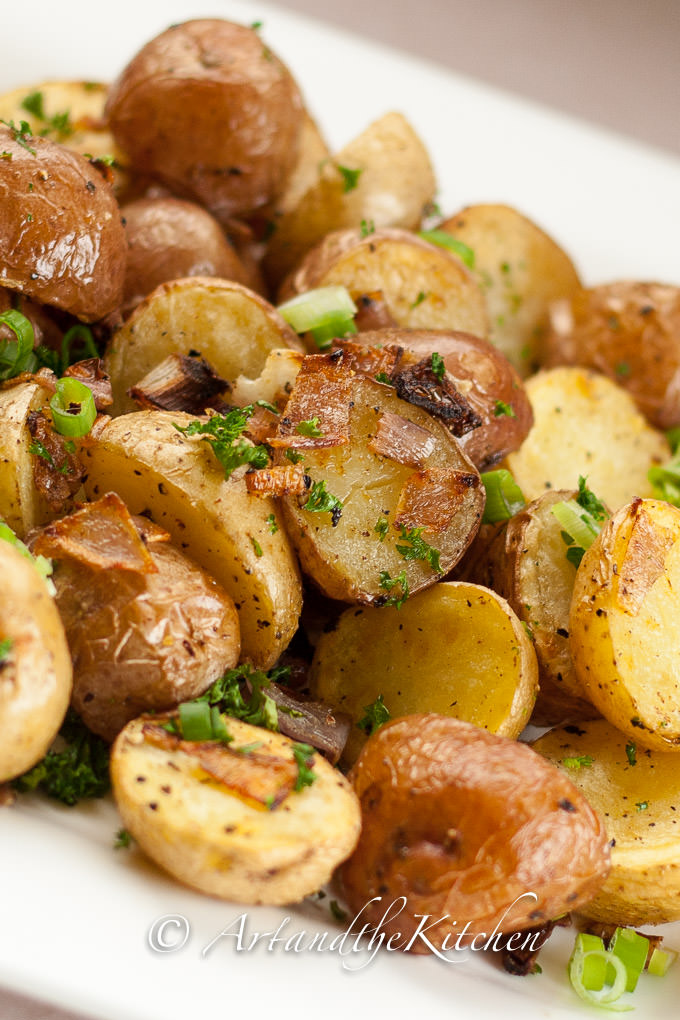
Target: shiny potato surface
[468,827]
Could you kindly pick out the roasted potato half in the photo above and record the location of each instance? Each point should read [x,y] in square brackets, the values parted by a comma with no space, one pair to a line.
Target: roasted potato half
[365,498]
[422,286]
[624,623]
[35,666]
[457,649]
[180,484]
[525,561]
[470,828]
[629,331]
[21,505]
[584,424]
[522,271]
[61,237]
[635,791]
[383,178]
[234,819]
[232,327]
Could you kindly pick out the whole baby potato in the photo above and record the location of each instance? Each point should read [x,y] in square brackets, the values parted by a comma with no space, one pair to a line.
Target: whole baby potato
[143,641]
[209,110]
[169,239]
[61,237]
[475,831]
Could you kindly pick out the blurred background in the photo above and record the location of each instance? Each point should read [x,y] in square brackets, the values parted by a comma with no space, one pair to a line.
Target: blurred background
[613,62]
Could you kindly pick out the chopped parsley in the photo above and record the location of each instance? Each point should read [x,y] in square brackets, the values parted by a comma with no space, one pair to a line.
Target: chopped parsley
[59,123]
[631,753]
[6,646]
[79,771]
[293,456]
[309,428]
[387,583]
[267,405]
[256,546]
[375,716]
[304,758]
[583,761]
[418,548]
[443,239]
[642,805]
[419,300]
[272,525]
[320,501]
[350,178]
[20,134]
[123,840]
[383,377]
[589,501]
[223,432]
[501,410]
[226,694]
[437,366]
[381,528]
[39,449]
[367,228]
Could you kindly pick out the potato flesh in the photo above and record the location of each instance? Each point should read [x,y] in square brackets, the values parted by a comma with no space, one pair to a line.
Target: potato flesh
[623,623]
[456,649]
[20,504]
[346,561]
[214,839]
[640,806]
[584,424]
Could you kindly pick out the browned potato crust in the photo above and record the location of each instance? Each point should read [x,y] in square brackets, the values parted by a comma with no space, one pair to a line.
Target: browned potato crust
[483,376]
[209,109]
[143,642]
[168,239]
[468,827]
[630,332]
[61,237]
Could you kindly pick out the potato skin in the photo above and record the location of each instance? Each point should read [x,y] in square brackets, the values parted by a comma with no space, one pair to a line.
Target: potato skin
[168,239]
[209,110]
[466,824]
[61,237]
[483,376]
[143,642]
[35,679]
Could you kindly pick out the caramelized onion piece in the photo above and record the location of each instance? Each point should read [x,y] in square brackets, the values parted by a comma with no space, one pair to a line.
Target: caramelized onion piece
[372,312]
[418,384]
[431,498]
[180,382]
[91,372]
[284,480]
[402,440]
[311,722]
[57,469]
[321,392]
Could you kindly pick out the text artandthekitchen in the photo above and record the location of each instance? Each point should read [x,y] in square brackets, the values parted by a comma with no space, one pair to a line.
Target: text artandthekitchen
[357,945]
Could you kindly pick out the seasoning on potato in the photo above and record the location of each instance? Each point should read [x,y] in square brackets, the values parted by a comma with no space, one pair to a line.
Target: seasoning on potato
[470,828]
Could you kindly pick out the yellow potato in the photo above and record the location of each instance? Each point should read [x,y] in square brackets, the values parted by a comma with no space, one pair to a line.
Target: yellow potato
[456,649]
[21,505]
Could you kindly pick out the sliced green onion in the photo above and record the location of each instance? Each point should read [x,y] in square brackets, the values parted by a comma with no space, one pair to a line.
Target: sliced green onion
[445,240]
[504,497]
[196,721]
[665,480]
[73,409]
[41,563]
[218,725]
[78,333]
[17,356]
[631,949]
[318,308]
[577,522]
[587,965]
[325,335]
[660,961]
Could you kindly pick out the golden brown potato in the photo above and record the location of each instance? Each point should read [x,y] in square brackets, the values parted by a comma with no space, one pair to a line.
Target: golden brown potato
[525,561]
[21,505]
[208,109]
[522,271]
[313,152]
[457,649]
[483,376]
[146,627]
[624,623]
[61,237]
[635,790]
[35,666]
[630,332]
[470,828]
[382,178]
[169,239]
[584,424]
[423,286]
[232,819]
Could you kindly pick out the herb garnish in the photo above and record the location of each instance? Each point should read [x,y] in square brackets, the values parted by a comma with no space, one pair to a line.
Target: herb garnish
[437,366]
[350,178]
[6,646]
[418,548]
[321,501]
[20,134]
[223,432]
[631,753]
[81,770]
[582,761]
[367,227]
[375,716]
[501,409]
[304,757]
[387,583]
[123,840]
[272,525]
[293,456]
[309,428]
[381,528]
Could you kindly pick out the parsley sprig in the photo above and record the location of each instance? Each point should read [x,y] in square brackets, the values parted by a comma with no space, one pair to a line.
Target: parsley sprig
[387,583]
[304,758]
[321,501]
[224,433]
[79,771]
[417,548]
[375,715]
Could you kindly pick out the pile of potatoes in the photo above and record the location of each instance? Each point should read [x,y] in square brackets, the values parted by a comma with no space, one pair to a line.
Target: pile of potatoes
[362,539]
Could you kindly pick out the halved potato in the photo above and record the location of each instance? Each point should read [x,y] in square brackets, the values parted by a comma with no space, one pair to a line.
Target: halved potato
[624,623]
[351,552]
[584,424]
[456,649]
[422,286]
[383,177]
[522,271]
[35,667]
[21,505]
[180,484]
[635,791]
[232,820]
[232,327]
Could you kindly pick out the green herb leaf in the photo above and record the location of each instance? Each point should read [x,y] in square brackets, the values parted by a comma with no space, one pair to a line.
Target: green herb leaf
[381,528]
[501,409]
[39,449]
[293,456]
[123,840]
[256,546]
[304,757]
[320,501]
[223,432]
[641,805]
[631,753]
[20,134]
[227,695]
[387,583]
[583,761]
[78,772]
[375,715]
[383,377]
[418,548]
[350,178]
[6,646]
[272,525]
[437,365]
[443,239]
[309,428]
[367,228]
[419,300]
[588,500]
